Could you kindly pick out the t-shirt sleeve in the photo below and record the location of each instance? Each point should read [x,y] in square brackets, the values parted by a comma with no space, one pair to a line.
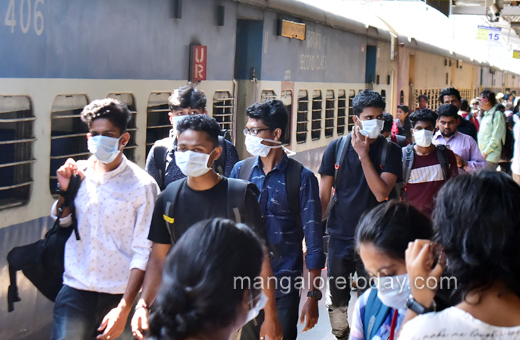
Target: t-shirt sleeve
[253,215]
[329,159]
[236,170]
[231,158]
[394,162]
[158,230]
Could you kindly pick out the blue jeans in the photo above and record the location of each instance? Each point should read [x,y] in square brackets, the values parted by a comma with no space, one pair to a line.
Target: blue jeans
[343,262]
[288,307]
[78,314]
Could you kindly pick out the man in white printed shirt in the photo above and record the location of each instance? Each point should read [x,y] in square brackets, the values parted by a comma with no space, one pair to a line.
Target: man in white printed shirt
[104,270]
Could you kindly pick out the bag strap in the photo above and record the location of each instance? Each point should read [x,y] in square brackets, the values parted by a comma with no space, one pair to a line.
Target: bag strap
[220,163]
[236,198]
[408,154]
[375,314]
[341,151]
[293,184]
[247,168]
[159,156]
[170,207]
[384,153]
[443,157]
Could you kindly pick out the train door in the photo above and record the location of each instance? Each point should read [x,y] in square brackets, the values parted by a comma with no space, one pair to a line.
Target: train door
[370,71]
[248,68]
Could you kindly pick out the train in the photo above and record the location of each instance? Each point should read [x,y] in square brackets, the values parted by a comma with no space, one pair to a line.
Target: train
[56,56]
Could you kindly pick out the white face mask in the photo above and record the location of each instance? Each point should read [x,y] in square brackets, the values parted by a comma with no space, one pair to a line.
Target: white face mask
[393,291]
[423,137]
[175,120]
[372,128]
[104,148]
[255,309]
[192,164]
[255,147]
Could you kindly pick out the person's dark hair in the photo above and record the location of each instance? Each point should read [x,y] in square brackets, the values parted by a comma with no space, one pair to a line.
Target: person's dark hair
[389,122]
[404,108]
[448,110]
[423,115]
[501,107]
[464,105]
[272,113]
[391,226]
[187,97]
[490,96]
[423,96]
[199,291]
[449,91]
[116,112]
[476,220]
[200,123]
[367,98]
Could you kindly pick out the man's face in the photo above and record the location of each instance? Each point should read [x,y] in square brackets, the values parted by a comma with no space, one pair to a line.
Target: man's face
[423,104]
[198,141]
[453,100]
[256,127]
[485,104]
[179,112]
[103,127]
[370,113]
[448,125]
[422,125]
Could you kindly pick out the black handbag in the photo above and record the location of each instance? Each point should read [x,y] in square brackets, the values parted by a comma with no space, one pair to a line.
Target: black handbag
[42,262]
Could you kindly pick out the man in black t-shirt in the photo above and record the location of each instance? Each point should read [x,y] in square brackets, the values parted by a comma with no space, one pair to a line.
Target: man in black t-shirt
[363,182]
[202,195]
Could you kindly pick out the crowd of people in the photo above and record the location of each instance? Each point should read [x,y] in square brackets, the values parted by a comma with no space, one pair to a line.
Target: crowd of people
[200,245]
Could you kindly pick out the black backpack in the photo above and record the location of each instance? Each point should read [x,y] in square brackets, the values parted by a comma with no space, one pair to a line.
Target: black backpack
[292,180]
[236,197]
[160,153]
[508,147]
[42,262]
[408,156]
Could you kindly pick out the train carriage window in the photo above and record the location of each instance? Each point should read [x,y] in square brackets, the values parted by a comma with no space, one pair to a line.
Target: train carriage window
[68,133]
[158,124]
[342,108]
[317,108]
[447,78]
[401,97]
[129,100]
[287,100]
[16,141]
[351,96]
[383,95]
[329,113]
[302,119]
[223,104]
[267,95]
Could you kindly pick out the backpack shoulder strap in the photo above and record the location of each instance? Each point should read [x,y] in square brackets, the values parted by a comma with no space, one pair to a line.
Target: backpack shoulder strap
[236,197]
[375,314]
[293,182]
[384,152]
[170,214]
[443,157]
[341,151]
[220,163]
[247,168]
[159,156]
[407,162]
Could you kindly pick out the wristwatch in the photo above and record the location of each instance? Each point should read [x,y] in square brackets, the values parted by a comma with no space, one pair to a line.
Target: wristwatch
[315,294]
[417,308]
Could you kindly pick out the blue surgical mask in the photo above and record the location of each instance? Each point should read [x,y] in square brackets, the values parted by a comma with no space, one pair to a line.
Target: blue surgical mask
[393,291]
[104,148]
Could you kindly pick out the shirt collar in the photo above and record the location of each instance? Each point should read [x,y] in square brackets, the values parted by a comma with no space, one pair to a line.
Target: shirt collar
[282,164]
[122,166]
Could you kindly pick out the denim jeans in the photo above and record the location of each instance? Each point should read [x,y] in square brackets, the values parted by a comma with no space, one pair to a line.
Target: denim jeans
[78,314]
[343,262]
[288,308]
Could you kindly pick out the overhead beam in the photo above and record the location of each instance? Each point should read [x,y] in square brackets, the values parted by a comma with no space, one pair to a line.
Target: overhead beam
[481,10]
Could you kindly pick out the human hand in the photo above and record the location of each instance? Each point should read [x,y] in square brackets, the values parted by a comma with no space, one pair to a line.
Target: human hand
[359,142]
[113,323]
[65,172]
[139,322]
[311,312]
[460,162]
[272,329]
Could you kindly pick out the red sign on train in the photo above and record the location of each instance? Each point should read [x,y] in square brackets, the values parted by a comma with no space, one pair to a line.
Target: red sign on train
[199,55]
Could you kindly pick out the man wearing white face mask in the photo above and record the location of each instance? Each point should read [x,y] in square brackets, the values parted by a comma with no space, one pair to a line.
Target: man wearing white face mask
[363,167]
[160,162]
[104,268]
[425,167]
[202,195]
[290,204]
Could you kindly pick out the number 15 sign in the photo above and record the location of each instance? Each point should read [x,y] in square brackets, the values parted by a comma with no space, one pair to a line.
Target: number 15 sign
[488,33]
